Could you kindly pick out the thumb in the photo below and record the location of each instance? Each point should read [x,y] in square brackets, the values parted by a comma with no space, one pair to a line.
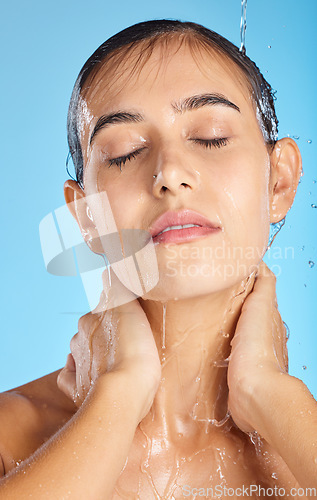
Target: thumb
[66,380]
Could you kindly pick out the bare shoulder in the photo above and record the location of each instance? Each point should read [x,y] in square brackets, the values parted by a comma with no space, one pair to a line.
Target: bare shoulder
[29,415]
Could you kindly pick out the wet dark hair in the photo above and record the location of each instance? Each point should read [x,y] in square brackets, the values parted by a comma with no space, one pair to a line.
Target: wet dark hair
[261,91]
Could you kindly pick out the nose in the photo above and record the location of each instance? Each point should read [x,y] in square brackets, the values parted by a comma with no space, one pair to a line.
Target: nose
[173,174]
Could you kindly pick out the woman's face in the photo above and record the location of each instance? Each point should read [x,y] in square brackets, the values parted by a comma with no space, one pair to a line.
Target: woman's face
[207,153]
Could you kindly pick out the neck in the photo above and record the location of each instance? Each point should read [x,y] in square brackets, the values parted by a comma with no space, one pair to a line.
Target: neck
[193,339]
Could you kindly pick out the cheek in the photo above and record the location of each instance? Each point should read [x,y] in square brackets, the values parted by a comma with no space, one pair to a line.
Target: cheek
[111,184]
[127,203]
[245,206]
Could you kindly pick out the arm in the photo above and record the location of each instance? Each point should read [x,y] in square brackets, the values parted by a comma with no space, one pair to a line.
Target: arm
[84,459]
[285,415]
[112,375]
[263,397]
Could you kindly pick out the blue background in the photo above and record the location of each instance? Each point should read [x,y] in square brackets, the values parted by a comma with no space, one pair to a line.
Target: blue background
[43,46]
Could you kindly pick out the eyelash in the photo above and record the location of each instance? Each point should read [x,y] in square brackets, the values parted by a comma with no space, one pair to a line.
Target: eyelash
[207,143]
[121,160]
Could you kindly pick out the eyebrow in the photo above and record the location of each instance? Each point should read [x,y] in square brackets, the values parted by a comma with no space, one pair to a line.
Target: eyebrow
[187,104]
[113,118]
[200,100]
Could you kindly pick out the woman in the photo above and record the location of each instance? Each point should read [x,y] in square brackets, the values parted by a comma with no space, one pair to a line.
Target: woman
[183,391]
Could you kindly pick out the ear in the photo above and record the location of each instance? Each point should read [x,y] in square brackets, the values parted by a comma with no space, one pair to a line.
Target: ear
[76,202]
[286,169]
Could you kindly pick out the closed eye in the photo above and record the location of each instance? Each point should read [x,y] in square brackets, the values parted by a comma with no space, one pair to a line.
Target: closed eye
[121,160]
[212,143]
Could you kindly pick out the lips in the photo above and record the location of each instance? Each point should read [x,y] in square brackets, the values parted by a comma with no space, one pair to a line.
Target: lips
[162,229]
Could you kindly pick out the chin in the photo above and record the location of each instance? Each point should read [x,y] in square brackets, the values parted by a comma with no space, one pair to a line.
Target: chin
[199,279]
[188,286]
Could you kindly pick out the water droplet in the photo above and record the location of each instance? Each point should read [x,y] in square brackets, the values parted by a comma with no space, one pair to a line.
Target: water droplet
[163,326]
[274,475]
[243,26]
[269,46]
[309,141]
[287,330]
[304,367]
[296,137]
[311,263]
[313,205]
[309,193]
[303,248]
[314,182]
[305,285]
[274,229]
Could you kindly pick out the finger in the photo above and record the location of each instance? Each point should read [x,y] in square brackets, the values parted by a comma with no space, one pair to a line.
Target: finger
[114,293]
[70,363]
[255,324]
[264,290]
[81,349]
[280,341]
[267,278]
[74,340]
[66,382]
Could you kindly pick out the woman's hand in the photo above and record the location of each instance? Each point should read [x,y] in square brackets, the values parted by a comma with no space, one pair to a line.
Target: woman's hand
[117,338]
[258,348]
[263,397]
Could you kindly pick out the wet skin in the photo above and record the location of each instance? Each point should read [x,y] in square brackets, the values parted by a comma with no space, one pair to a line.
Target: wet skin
[231,181]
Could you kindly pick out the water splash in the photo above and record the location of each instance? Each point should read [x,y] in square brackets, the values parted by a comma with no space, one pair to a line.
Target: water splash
[274,230]
[311,263]
[243,26]
[287,331]
[212,421]
[256,441]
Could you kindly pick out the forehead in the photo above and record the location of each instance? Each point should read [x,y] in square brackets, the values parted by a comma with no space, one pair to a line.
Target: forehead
[172,64]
